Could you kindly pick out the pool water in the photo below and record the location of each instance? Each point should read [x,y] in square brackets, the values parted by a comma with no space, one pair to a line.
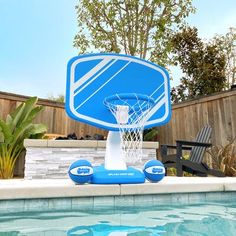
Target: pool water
[208,219]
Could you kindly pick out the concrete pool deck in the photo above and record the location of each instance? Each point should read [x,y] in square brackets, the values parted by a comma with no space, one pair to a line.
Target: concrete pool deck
[64,188]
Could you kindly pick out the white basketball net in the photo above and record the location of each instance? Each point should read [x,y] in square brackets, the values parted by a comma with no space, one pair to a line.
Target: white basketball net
[131,112]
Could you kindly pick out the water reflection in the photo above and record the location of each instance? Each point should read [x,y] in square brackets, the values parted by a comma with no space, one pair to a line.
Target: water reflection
[112,230]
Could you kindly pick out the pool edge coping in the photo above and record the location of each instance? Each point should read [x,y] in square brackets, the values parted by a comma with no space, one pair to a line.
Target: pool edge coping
[65,188]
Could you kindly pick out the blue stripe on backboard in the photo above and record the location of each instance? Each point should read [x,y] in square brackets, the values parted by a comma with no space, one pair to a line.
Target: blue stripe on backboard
[89,80]
[84,67]
[100,81]
[160,97]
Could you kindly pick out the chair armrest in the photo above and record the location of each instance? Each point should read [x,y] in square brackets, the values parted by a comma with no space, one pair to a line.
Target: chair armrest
[192,143]
[174,147]
[165,147]
[168,146]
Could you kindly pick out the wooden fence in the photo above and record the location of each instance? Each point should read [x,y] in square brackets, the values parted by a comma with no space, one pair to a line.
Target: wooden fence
[53,115]
[218,110]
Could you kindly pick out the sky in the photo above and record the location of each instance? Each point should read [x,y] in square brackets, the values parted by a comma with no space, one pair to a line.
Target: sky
[36,41]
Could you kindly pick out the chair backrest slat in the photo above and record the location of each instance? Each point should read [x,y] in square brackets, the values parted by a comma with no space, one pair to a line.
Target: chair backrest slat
[203,136]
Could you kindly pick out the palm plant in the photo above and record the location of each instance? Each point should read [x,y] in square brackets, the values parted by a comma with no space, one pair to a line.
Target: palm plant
[17,127]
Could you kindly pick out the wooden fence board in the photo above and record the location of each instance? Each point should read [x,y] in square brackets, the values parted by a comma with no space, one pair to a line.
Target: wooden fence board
[218,110]
[53,116]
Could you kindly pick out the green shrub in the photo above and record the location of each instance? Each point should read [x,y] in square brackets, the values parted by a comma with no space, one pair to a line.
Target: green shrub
[150,134]
[17,127]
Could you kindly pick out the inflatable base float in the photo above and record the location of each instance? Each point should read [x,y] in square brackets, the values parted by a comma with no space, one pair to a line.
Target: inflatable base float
[82,171]
[129,176]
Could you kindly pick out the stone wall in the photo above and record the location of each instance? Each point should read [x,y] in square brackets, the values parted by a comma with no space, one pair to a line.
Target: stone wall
[51,159]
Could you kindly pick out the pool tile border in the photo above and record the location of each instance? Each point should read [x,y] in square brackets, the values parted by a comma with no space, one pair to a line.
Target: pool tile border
[98,202]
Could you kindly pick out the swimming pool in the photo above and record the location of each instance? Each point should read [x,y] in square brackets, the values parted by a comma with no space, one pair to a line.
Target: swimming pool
[208,219]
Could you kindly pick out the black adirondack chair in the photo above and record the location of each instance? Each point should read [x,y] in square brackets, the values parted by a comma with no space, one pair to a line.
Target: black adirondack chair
[194,164]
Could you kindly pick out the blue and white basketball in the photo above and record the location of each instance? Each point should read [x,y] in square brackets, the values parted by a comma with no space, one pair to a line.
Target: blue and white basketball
[154,171]
[81,171]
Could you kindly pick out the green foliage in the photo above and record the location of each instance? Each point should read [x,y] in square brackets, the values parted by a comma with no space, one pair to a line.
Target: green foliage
[227,44]
[139,28]
[17,127]
[173,172]
[224,158]
[150,134]
[59,98]
[202,63]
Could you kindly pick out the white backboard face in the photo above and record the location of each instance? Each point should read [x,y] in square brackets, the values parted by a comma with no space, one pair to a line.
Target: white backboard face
[93,77]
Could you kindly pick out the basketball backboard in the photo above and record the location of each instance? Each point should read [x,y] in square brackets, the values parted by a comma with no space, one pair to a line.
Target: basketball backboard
[92,78]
